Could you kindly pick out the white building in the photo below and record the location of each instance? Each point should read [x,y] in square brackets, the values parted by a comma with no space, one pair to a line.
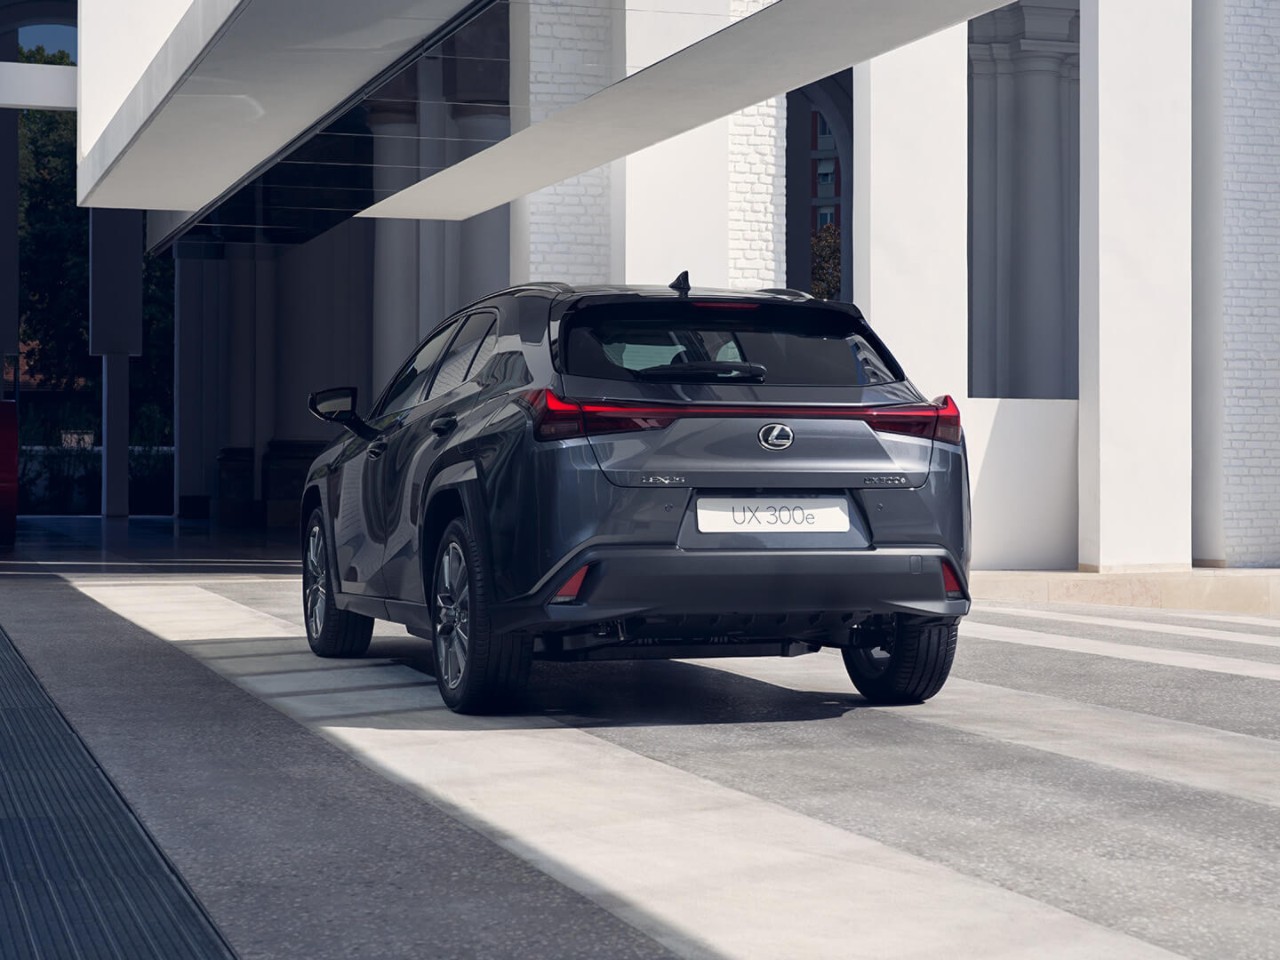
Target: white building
[1065,213]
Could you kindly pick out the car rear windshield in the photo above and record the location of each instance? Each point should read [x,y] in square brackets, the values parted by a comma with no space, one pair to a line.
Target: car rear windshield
[719,341]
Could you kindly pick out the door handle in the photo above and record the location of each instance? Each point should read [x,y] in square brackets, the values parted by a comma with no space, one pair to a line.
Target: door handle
[445,425]
[376,449]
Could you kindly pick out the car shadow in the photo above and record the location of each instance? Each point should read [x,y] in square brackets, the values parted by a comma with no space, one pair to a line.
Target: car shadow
[643,693]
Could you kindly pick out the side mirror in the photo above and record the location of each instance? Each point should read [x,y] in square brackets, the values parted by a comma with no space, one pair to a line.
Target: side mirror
[338,405]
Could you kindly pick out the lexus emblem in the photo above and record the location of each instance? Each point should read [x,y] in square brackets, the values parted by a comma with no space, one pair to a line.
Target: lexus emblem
[776,436]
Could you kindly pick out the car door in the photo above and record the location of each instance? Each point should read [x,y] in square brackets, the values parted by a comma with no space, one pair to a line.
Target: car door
[428,434]
[360,522]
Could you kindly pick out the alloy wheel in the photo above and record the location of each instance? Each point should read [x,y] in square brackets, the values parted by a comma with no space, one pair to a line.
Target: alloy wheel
[453,615]
[873,661]
[316,585]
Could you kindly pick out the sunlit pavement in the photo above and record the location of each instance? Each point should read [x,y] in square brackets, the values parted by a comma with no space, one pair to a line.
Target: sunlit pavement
[1093,782]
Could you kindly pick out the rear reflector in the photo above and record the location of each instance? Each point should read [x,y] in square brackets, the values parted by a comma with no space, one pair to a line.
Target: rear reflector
[569,592]
[558,419]
[951,582]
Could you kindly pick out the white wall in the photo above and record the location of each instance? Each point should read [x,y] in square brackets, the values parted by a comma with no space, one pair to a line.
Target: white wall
[677,192]
[911,278]
[1250,324]
[911,209]
[1208,544]
[757,186]
[1023,474]
[562,54]
[1135,285]
[118,39]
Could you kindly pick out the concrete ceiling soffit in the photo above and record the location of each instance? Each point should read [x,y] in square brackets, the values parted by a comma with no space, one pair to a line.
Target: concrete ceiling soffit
[237,82]
[786,45]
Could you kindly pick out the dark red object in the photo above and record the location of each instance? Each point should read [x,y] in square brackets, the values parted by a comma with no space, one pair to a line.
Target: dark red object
[8,470]
[558,419]
[951,582]
[572,587]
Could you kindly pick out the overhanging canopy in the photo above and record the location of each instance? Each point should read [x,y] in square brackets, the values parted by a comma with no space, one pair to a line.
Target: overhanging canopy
[784,46]
[227,92]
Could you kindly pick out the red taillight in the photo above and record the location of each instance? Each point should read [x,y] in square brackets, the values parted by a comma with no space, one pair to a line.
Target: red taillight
[951,582]
[724,305]
[559,419]
[948,429]
[572,587]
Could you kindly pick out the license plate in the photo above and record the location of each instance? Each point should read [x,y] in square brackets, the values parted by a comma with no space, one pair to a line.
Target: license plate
[772,515]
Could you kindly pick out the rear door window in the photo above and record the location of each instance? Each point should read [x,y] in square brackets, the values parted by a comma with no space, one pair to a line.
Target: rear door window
[407,387]
[456,363]
[723,341]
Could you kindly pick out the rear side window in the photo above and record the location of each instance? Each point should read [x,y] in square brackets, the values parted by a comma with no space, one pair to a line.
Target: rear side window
[456,363]
[723,341]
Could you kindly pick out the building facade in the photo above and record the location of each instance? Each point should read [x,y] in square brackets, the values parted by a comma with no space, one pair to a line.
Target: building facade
[1074,238]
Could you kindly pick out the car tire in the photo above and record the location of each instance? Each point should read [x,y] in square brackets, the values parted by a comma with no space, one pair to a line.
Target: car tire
[330,632]
[906,660]
[477,669]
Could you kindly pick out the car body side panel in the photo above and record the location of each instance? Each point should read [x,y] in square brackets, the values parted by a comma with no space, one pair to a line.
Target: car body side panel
[356,530]
[423,456]
[937,513]
[550,499]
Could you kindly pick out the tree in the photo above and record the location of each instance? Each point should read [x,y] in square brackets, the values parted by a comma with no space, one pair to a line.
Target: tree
[826,262]
[53,247]
[53,244]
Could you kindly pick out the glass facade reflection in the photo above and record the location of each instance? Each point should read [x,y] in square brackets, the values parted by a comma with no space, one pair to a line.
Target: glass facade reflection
[451,99]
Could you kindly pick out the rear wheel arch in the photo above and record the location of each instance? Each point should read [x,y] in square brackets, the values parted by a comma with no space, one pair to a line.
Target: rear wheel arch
[311,500]
[453,494]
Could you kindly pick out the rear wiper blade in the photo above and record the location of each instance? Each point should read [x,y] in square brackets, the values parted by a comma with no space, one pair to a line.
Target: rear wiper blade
[705,371]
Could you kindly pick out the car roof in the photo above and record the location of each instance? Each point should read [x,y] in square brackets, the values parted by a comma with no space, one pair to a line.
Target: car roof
[657,292]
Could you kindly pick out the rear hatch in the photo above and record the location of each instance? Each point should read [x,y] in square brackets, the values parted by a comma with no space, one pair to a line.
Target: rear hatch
[776,414]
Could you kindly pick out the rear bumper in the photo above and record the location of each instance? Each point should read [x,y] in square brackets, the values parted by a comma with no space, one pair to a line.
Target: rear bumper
[652,581]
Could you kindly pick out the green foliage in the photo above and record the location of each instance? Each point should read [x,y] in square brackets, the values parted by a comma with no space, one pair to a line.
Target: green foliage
[826,263]
[54,269]
[53,247]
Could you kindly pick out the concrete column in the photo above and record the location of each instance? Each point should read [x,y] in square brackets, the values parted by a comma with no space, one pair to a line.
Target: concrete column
[1069,92]
[676,223]
[190,474]
[1135,285]
[484,240]
[115,334]
[115,435]
[1037,367]
[8,214]
[433,132]
[265,371]
[394,123]
[1208,536]
[984,191]
[911,212]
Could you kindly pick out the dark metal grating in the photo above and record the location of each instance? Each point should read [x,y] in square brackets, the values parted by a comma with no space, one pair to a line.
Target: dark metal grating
[79,875]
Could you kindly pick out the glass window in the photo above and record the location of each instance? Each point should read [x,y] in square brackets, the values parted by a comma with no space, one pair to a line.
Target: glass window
[826,171]
[488,346]
[409,384]
[826,216]
[456,363]
[704,342]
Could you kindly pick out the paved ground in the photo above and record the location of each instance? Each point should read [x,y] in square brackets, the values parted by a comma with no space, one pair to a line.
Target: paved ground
[1093,783]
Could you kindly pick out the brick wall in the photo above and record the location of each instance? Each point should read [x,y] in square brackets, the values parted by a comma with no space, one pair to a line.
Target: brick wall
[758,186]
[1251,282]
[571,56]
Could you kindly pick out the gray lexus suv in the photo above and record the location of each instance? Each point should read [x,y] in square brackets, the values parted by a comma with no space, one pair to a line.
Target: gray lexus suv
[600,473]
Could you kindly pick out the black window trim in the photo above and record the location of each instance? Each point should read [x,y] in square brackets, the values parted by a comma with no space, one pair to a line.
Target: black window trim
[462,320]
[379,407]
